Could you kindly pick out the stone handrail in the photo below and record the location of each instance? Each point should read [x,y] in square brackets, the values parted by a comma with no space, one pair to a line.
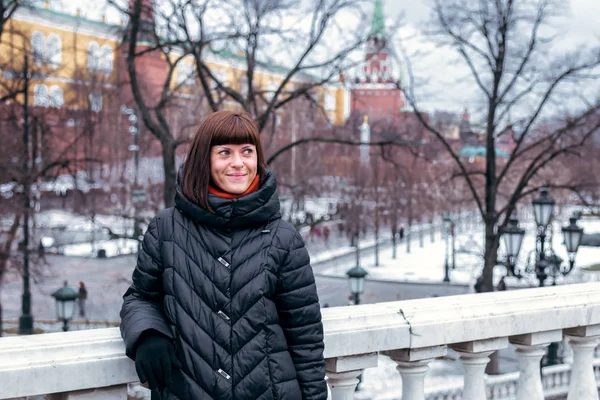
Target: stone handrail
[412,333]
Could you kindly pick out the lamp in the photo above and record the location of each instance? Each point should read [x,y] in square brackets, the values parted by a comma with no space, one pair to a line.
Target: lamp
[513,238]
[542,208]
[65,304]
[356,280]
[572,235]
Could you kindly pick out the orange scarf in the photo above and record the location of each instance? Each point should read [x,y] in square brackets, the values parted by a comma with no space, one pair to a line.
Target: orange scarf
[252,188]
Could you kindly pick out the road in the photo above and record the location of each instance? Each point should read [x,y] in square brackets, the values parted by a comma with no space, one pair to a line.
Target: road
[108,279]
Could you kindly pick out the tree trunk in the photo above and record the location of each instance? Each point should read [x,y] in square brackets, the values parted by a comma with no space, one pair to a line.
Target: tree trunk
[394,249]
[168,153]
[377,245]
[490,256]
[12,234]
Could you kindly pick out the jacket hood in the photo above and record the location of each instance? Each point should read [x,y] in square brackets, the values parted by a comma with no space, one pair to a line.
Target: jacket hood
[253,209]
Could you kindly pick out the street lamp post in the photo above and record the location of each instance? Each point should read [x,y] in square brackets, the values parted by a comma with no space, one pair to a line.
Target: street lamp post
[453,236]
[542,212]
[447,224]
[356,280]
[26,318]
[544,265]
[65,304]
[138,196]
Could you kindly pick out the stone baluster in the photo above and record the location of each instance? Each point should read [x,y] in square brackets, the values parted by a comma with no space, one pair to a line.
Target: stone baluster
[530,350]
[583,341]
[343,372]
[475,356]
[412,366]
[567,353]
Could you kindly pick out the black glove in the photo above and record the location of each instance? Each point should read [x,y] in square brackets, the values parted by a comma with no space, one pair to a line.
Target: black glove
[155,360]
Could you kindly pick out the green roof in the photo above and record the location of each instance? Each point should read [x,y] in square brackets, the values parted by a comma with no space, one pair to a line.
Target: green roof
[50,12]
[480,151]
[378,22]
[226,53]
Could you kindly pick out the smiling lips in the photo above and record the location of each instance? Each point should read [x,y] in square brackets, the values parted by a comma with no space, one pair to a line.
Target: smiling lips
[236,176]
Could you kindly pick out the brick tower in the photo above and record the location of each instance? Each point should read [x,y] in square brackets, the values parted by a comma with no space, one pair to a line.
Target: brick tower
[373,89]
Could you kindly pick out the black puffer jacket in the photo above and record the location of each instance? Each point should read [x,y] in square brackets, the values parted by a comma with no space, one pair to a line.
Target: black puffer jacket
[236,293]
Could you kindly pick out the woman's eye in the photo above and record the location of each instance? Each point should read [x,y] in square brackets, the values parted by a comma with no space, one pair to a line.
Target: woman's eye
[248,151]
[224,152]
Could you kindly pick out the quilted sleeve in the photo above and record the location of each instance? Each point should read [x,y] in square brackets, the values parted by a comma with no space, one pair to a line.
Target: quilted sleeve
[300,318]
[142,308]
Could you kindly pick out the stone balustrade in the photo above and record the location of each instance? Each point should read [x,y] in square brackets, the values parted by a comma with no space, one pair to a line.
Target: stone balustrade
[92,365]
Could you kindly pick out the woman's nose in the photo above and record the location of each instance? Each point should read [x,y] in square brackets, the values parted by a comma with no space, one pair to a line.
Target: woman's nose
[236,160]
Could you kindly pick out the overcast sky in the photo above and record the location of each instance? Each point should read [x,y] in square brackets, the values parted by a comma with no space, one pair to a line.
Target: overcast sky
[579,26]
[446,81]
[584,13]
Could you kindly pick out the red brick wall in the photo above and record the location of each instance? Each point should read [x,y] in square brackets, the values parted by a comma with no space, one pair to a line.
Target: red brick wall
[376,102]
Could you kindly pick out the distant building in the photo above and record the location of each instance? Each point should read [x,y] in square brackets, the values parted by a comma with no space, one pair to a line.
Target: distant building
[374,86]
[80,73]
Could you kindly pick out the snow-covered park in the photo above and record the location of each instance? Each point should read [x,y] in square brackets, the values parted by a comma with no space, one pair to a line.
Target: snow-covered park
[426,264]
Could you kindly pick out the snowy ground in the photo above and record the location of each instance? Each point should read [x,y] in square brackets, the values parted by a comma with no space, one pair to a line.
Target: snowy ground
[426,264]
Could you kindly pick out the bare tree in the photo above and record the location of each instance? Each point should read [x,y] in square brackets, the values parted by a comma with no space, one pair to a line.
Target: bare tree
[7,9]
[37,148]
[250,33]
[503,44]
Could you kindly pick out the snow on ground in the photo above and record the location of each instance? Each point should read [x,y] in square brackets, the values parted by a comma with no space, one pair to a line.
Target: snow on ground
[112,248]
[58,219]
[426,264]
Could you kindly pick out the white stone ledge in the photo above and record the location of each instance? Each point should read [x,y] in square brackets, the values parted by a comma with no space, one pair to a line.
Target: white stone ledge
[457,319]
[79,360]
[63,362]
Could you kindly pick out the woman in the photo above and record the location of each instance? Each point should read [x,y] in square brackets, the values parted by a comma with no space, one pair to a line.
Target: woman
[223,303]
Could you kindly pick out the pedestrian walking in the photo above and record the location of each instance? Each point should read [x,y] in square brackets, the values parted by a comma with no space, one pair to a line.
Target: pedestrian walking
[223,303]
[401,232]
[83,294]
[501,286]
[478,284]
[326,234]
[42,253]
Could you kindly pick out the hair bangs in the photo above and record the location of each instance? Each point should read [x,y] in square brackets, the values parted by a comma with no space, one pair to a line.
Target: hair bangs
[235,130]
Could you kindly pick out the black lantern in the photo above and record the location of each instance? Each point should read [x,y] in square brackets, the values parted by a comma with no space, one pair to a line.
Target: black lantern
[513,238]
[65,304]
[572,235]
[542,208]
[356,280]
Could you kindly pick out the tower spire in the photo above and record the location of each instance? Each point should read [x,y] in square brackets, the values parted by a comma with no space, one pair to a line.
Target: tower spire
[378,22]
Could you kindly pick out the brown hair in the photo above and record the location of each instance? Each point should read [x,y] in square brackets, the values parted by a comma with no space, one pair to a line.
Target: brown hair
[221,127]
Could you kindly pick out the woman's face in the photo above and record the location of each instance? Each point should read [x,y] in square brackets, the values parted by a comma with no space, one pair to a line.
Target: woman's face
[233,166]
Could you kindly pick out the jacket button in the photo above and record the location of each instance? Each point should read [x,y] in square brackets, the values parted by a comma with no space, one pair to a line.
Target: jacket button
[223,374]
[222,261]
[223,315]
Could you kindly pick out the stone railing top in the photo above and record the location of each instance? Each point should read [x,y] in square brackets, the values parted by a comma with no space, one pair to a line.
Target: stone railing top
[457,319]
[62,362]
